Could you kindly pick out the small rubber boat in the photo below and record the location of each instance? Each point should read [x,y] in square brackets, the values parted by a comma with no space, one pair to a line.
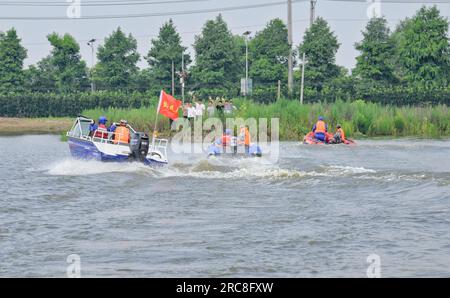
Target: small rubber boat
[85,144]
[310,139]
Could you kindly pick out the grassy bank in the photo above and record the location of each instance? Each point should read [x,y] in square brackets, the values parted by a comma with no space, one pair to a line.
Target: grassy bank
[358,118]
[12,126]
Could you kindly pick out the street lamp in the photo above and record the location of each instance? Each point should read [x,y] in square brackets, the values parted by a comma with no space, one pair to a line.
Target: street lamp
[91,44]
[246,35]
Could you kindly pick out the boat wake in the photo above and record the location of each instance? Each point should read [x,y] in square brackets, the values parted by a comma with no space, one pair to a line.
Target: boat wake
[74,167]
[245,168]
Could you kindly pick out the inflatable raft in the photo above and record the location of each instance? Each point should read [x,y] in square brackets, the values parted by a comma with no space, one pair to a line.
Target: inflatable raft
[310,139]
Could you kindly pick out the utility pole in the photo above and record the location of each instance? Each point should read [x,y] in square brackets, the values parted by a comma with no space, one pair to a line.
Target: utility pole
[246,34]
[303,78]
[290,58]
[312,15]
[279,91]
[311,22]
[183,78]
[173,78]
[91,44]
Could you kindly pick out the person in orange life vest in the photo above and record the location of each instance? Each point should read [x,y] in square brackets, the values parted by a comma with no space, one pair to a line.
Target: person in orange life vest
[226,137]
[320,129]
[244,137]
[225,140]
[339,136]
[122,133]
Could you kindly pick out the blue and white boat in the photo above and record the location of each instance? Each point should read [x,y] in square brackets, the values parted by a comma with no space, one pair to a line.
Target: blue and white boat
[86,144]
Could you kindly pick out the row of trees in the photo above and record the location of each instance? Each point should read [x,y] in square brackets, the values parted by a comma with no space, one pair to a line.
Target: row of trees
[414,56]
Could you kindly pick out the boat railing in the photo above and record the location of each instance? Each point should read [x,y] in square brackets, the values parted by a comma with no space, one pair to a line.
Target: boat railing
[106,137]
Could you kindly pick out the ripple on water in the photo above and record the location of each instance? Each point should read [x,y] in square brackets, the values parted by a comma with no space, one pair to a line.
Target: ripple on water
[316,212]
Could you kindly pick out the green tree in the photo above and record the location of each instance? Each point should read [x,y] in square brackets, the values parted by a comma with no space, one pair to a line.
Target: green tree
[269,52]
[117,67]
[63,66]
[42,77]
[166,49]
[374,65]
[12,55]
[217,68]
[423,50]
[320,46]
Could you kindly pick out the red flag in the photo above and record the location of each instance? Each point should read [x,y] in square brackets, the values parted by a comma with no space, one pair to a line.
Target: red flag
[168,106]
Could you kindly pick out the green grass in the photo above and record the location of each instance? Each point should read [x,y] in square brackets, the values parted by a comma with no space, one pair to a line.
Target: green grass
[358,118]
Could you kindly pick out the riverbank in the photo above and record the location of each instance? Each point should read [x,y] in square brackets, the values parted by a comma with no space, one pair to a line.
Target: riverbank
[359,119]
[20,126]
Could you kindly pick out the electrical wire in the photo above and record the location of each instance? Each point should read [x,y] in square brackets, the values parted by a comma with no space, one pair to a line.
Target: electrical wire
[100,3]
[156,14]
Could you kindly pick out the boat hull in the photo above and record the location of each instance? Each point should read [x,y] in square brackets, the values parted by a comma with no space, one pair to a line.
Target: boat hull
[88,150]
[214,150]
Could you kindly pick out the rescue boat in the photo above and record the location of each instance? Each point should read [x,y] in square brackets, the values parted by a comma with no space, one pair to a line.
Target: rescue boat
[310,139]
[101,145]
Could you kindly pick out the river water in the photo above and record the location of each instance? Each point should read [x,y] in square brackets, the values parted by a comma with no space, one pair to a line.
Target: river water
[320,211]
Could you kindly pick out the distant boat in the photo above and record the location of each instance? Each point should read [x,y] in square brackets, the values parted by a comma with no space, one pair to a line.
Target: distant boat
[100,145]
[218,149]
[310,139]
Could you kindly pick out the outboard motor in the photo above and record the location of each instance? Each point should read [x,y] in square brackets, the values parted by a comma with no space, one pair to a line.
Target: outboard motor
[139,145]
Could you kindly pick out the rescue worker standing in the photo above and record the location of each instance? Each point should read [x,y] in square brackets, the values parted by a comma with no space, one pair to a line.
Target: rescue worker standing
[320,129]
[122,133]
[226,139]
[244,138]
[339,136]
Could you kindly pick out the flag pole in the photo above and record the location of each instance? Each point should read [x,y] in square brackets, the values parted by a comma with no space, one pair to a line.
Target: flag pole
[156,119]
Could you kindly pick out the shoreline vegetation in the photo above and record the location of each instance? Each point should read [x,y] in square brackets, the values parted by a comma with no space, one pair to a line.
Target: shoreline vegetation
[358,118]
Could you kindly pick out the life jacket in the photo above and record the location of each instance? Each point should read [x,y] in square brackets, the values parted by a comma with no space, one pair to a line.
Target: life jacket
[245,136]
[341,132]
[122,135]
[321,127]
[101,132]
[226,140]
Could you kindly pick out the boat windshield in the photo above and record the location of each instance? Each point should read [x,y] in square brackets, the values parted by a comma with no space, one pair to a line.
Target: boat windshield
[80,128]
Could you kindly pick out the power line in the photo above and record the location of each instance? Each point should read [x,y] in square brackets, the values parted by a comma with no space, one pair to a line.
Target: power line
[157,14]
[146,2]
[99,3]
[395,1]
[156,35]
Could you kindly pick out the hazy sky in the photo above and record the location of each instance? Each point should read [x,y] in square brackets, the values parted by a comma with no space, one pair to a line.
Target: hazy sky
[347,19]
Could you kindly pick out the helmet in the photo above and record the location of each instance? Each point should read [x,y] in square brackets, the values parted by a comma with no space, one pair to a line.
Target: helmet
[228,132]
[102,120]
[123,122]
[338,126]
[320,118]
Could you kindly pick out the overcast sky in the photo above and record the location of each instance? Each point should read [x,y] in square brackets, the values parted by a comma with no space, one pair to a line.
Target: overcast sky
[346,19]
